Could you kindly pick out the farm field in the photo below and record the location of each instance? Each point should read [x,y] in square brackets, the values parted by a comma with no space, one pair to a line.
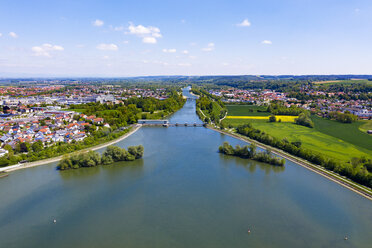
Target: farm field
[283,118]
[348,132]
[247,110]
[366,125]
[346,82]
[311,138]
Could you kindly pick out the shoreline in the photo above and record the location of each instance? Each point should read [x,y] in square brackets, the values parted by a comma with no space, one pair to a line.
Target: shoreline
[12,168]
[360,190]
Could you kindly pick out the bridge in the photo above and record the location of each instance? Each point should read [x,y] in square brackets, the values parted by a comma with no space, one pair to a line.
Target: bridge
[165,123]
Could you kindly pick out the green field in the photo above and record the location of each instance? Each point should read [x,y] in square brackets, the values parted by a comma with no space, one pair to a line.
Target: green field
[366,125]
[311,138]
[345,82]
[246,110]
[348,132]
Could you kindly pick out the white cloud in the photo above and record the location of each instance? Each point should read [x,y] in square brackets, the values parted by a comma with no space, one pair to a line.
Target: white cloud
[210,47]
[13,35]
[148,34]
[106,57]
[183,21]
[225,64]
[184,64]
[1,34]
[244,23]
[185,52]
[149,40]
[126,42]
[98,23]
[46,49]
[107,47]
[172,50]
[266,42]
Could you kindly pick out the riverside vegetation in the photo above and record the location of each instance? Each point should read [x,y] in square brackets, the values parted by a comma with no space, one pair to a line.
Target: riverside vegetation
[250,152]
[358,169]
[92,158]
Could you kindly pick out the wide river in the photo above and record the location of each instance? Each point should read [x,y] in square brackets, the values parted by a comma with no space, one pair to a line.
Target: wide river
[181,194]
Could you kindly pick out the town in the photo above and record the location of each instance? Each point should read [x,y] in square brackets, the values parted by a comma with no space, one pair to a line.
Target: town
[320,102]
[40,115]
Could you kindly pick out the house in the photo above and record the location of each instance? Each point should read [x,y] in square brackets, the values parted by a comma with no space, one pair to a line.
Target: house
[3,152]
[98,120]
[6,138]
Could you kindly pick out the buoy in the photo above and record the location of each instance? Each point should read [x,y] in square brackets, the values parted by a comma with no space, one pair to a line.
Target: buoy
[54,221]
[346,238]
[249,231]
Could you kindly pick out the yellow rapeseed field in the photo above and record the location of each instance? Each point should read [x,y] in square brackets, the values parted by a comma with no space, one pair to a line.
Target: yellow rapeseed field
[283,118]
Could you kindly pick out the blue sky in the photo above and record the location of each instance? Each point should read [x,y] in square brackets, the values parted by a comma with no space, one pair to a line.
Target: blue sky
[184,37]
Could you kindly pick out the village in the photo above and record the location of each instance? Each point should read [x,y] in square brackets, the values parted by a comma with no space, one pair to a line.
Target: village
[321,105]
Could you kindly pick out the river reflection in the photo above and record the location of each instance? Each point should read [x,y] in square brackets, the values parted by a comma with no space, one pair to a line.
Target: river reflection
[250,165]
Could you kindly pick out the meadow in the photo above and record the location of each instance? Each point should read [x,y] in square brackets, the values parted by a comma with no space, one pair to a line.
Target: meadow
[337,140]
[247,110]
[282,118]
[345,82]
[366,125]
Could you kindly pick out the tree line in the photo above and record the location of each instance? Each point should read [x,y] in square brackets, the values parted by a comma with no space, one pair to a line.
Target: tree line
[212,106]
[92,158]
[358,169]
[250,152]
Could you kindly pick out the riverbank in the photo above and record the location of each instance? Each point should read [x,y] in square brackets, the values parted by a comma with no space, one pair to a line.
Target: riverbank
[359,189]
[56,159]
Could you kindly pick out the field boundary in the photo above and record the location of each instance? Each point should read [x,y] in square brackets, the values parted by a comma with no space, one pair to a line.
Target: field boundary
[343,181]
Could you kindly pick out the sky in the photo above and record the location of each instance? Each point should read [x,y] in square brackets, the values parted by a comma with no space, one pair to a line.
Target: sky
[119,38]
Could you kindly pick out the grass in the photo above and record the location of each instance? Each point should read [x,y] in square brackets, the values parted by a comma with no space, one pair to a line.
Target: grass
[366,125]
[283,118]
[348,132]
[246,110]
[345,82]
[311,138]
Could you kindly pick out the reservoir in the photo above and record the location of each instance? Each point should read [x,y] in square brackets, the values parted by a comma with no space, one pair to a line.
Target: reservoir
[183,193]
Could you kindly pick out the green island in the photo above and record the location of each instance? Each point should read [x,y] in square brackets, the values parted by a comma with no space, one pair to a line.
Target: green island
[92,158]
[249,152]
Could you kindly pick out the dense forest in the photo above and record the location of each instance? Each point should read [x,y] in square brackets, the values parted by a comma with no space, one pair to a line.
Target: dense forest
[92,158]
[250,152]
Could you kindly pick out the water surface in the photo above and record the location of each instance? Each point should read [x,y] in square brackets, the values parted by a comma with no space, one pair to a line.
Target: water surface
[181,194]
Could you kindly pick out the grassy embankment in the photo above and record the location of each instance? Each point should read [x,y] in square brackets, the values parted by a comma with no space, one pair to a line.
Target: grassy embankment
[336,140]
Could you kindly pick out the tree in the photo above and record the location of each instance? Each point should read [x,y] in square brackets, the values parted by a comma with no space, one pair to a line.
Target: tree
[304,120]
[37,146]
[272,118]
